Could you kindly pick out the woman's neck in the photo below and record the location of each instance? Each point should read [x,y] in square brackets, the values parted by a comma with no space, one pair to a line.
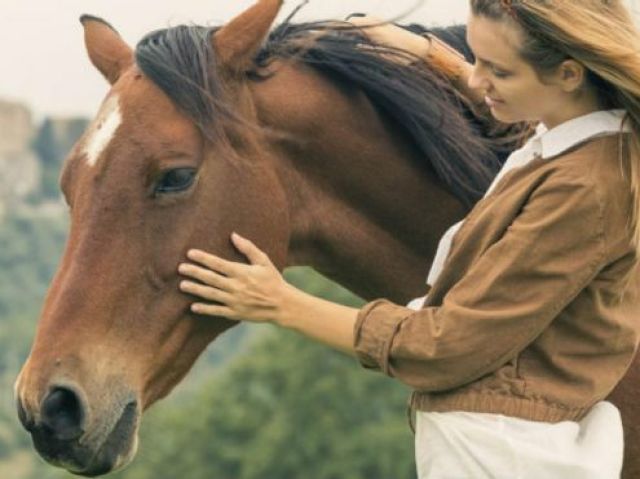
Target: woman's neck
[587,102]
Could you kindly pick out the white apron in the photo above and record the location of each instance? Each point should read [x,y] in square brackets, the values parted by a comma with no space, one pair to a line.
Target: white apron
[459,445]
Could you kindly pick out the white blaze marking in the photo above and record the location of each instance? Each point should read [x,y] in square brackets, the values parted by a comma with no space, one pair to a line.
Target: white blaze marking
[103,130]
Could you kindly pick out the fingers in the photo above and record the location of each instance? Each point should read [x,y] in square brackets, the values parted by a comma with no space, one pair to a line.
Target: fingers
[238,291]
[213,310]
[206,276]
[351,16]
[251,251]
[360,20]
[213,262]
[205,292]
[367,25]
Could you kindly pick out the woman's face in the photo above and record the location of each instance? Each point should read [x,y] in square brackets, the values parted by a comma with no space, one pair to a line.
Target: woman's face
[512,89]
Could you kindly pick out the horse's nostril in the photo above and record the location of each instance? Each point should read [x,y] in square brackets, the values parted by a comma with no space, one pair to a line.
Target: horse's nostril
[63,414]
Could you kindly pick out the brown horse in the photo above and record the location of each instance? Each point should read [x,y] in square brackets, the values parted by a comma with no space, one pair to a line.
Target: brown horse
[320,151]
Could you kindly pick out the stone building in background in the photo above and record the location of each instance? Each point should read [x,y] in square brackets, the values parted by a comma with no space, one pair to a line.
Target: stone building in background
[53,142]
[31,157]
[19,164]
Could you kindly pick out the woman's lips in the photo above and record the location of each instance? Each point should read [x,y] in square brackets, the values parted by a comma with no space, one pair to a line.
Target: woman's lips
[492,102]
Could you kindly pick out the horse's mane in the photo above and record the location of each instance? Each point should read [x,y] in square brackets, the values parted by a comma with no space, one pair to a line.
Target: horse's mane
[457,143]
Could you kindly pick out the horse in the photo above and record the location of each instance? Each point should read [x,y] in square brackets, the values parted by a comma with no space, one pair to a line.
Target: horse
[315,145]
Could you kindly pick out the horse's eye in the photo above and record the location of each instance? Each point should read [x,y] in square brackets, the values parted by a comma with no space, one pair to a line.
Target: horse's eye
[173,181]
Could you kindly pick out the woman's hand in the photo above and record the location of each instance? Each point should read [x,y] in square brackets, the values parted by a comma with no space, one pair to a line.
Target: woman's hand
[252,292]
[258,292]
[384,33]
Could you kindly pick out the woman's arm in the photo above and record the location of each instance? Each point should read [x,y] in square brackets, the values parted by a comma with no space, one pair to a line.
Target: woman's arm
[504,301]
[327,322]
[444,57]
[257,292]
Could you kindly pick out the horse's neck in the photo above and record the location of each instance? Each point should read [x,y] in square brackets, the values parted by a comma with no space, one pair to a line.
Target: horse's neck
[364,211]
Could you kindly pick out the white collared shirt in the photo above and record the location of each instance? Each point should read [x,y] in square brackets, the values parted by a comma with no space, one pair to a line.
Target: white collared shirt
[544,144]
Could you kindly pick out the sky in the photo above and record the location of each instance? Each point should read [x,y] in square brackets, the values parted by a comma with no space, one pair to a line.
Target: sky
[43,62]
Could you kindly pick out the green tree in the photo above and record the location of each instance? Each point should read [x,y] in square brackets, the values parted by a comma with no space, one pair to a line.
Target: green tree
[54,140]
[285,409]
[29,254]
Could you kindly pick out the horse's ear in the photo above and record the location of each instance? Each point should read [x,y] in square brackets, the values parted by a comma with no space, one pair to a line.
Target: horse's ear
[237,43]
[107,50]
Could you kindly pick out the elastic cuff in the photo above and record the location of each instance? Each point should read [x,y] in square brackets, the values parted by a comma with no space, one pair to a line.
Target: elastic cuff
[376,325]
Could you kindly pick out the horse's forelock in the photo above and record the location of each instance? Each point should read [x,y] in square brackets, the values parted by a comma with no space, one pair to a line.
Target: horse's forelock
[181,62]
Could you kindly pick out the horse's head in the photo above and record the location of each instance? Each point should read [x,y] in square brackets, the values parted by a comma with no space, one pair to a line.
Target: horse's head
[145,183]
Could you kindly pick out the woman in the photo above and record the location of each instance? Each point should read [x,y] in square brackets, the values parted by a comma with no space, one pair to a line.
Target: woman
[529,321]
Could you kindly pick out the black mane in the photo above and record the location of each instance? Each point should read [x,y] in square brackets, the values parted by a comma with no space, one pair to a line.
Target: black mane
[455,142]
[181,61]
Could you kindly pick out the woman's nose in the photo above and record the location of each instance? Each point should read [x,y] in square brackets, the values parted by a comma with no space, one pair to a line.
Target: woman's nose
[477,80]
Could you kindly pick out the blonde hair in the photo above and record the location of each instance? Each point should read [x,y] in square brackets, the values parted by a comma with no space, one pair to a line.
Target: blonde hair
[600,35]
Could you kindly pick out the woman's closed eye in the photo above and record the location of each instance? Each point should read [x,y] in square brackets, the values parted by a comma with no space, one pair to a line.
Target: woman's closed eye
[491,68]
[498,73]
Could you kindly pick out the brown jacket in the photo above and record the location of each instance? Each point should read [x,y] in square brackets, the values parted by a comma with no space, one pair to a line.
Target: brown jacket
[527,317]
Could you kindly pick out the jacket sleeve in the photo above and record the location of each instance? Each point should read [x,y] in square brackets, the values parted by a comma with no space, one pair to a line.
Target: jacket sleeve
[508,296]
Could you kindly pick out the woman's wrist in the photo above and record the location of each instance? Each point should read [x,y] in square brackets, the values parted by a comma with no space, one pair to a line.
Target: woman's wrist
[289,307]
[419,46]
[453,65]
[444,58]
[317,318]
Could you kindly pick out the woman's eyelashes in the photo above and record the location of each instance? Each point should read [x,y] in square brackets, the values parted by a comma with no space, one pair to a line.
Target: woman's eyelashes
[493,69]
[499,73]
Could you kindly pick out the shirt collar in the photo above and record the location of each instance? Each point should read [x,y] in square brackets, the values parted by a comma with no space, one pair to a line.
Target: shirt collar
[550,143]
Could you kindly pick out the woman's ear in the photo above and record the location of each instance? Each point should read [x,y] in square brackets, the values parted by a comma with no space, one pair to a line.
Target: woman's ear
[571,75]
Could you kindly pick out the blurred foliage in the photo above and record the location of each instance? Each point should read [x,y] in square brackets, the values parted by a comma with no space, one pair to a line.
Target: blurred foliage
[286,408]
[52,143]
[29,253]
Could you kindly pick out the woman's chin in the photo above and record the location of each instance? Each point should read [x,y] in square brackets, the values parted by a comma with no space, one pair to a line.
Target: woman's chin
[500,113]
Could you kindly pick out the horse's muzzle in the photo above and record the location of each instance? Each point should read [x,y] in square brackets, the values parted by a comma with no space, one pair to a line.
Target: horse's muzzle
[60,438]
